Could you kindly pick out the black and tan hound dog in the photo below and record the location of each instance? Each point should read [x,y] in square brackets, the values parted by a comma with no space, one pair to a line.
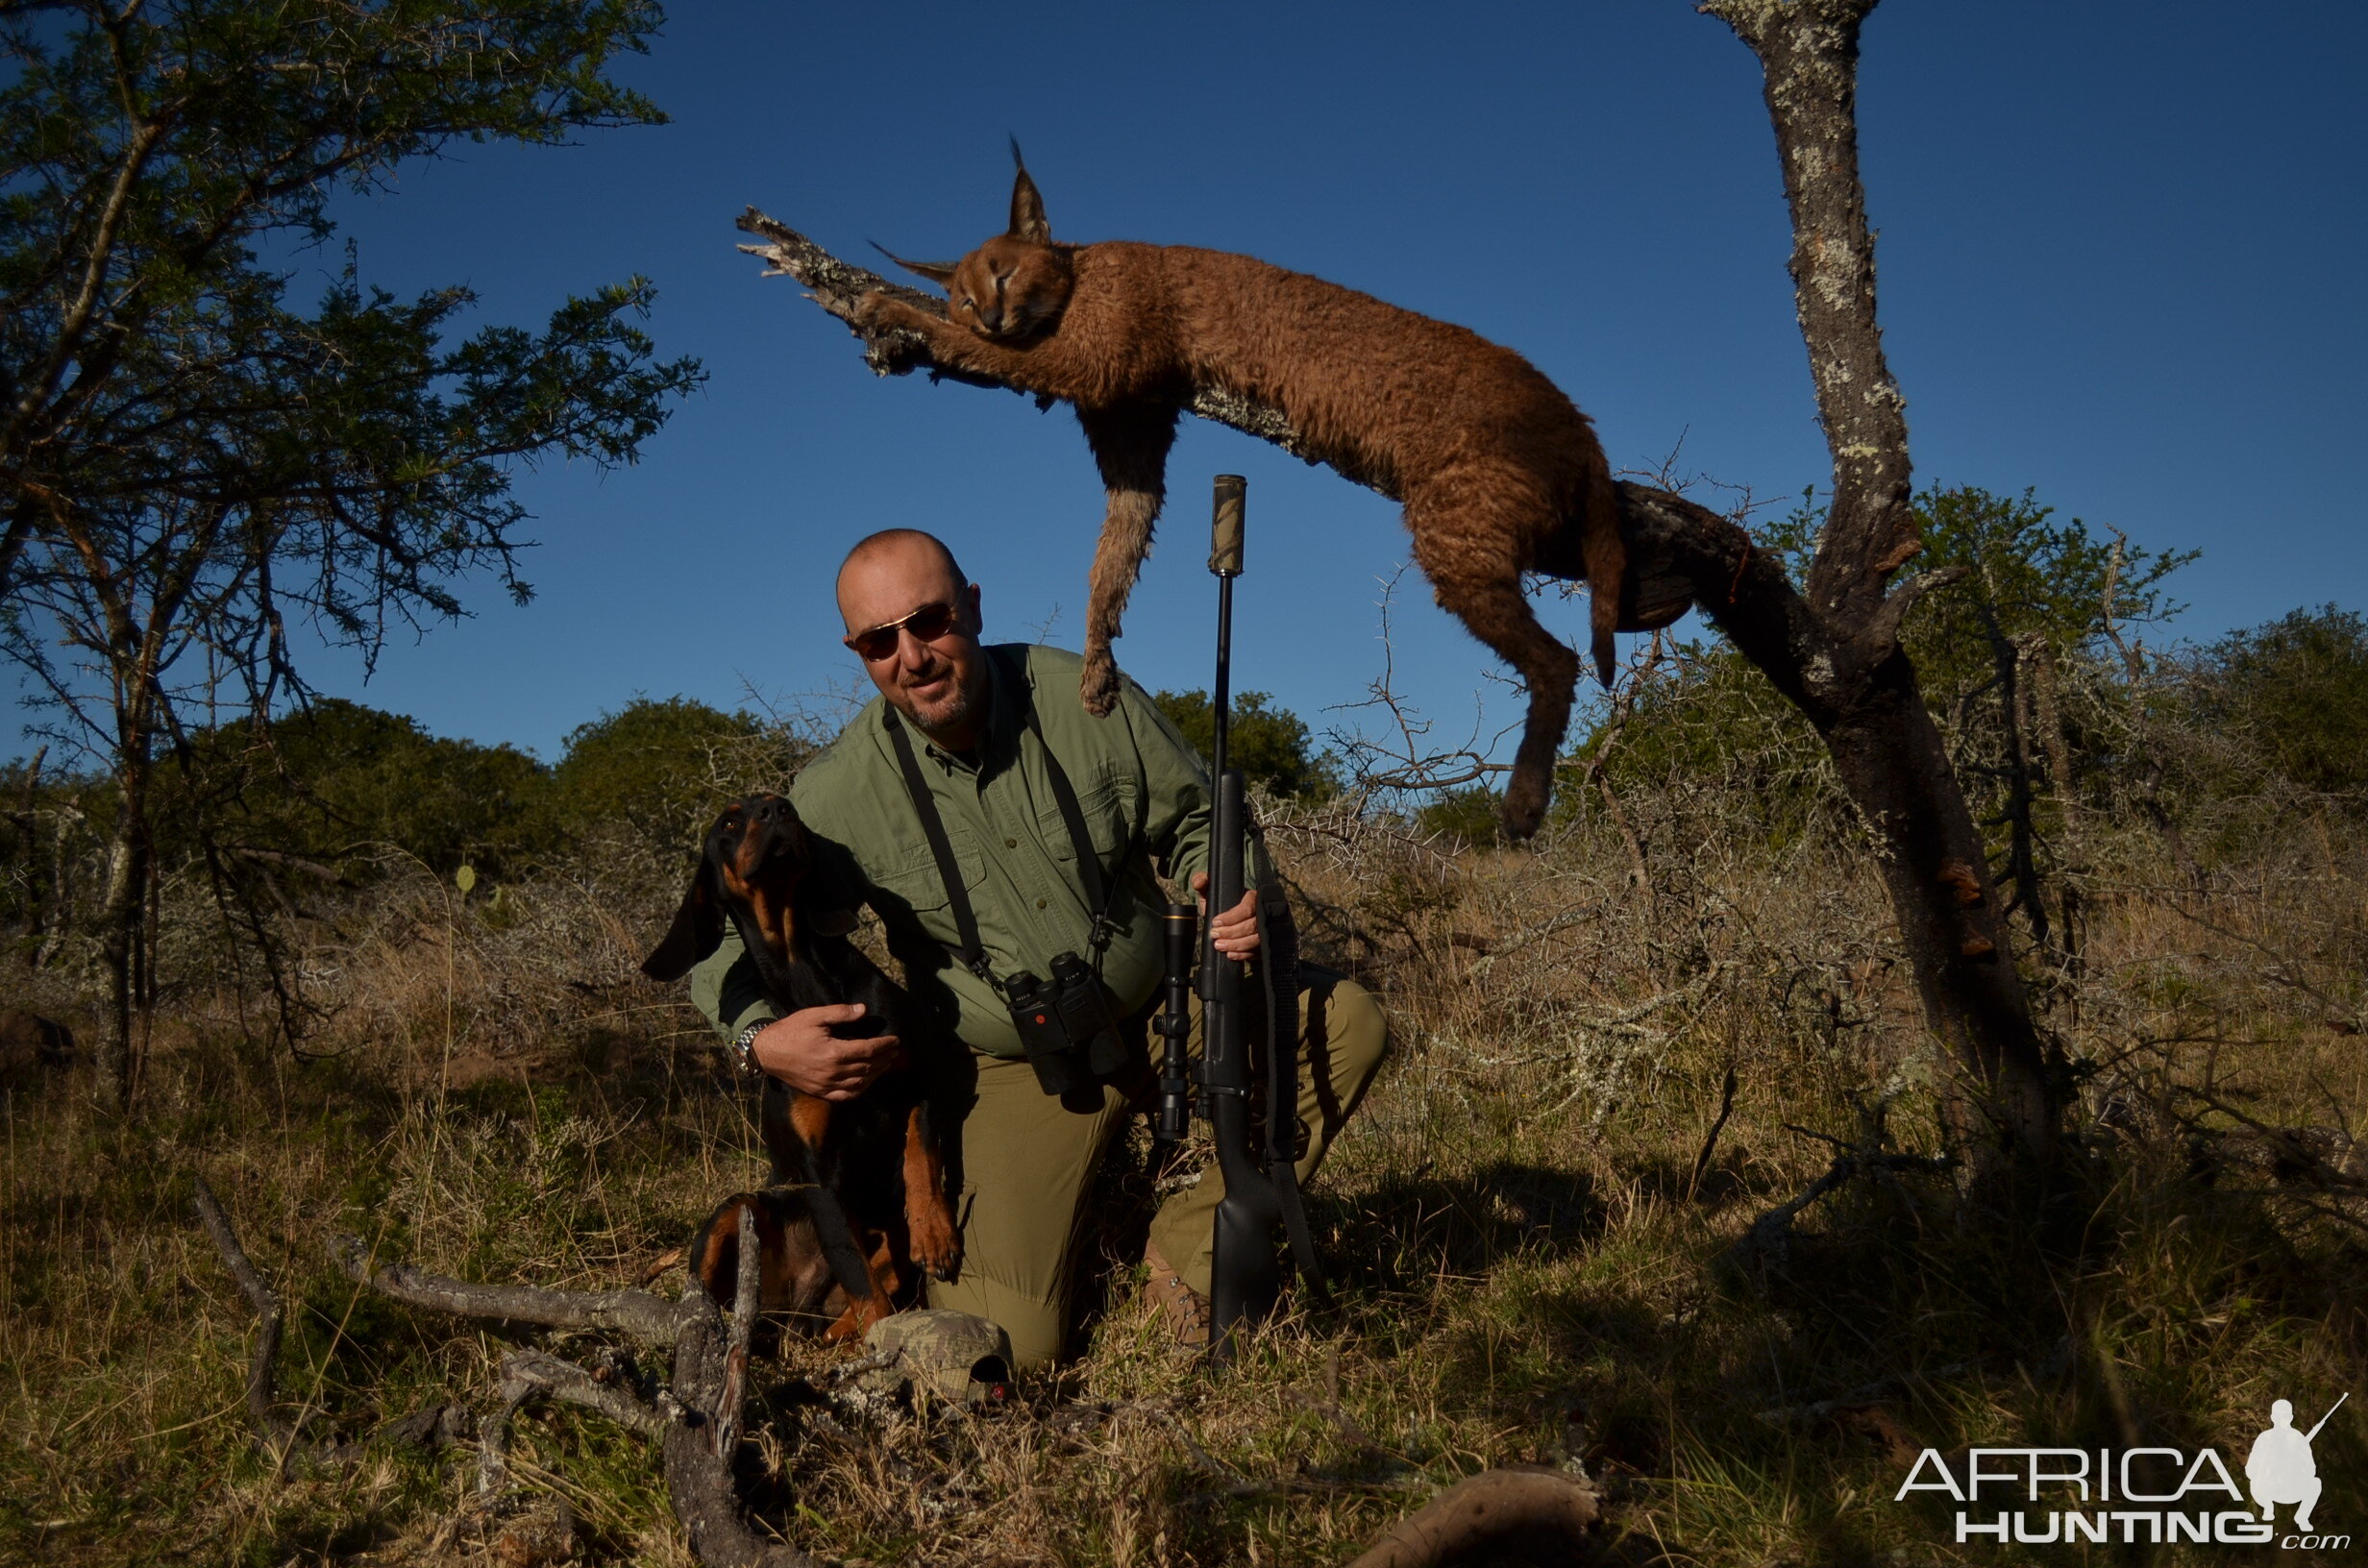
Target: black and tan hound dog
[868,1172]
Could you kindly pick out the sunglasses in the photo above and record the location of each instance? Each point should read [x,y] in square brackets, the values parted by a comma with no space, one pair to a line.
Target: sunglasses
[929,622]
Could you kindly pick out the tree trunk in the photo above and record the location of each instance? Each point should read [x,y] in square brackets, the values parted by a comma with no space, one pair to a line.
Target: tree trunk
[1863,692]
[1889,755]
[122,926]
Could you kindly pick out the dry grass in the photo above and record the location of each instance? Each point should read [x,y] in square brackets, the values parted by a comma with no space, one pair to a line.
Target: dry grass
[1530,1243]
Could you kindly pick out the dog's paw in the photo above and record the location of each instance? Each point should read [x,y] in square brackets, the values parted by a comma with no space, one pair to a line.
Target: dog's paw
[936,1245]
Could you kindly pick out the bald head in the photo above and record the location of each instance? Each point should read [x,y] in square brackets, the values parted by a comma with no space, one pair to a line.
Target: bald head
[906,558]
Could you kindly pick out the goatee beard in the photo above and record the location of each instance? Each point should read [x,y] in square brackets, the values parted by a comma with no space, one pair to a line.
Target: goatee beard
[946,716]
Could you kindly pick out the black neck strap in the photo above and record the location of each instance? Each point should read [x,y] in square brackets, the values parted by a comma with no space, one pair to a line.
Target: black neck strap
[965,919]
[1100,890]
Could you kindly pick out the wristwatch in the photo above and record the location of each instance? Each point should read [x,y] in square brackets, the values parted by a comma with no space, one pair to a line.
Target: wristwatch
[743,1048]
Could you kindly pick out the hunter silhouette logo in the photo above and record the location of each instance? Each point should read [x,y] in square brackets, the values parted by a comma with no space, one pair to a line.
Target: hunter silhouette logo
[2279,1469]
[2135,1496]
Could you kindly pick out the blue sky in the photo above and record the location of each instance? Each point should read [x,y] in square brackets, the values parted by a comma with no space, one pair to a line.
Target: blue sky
[2119,262]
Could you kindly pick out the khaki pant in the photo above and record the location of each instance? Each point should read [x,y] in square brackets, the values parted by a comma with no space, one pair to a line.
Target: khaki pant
[1026,1162]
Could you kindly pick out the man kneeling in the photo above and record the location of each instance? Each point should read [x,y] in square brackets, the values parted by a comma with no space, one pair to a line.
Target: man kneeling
[974,745]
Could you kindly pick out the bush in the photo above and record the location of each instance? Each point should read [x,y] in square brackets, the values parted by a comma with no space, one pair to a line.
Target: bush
[656,772]
[2013,657]
[2295,693]
[338,777]
[1269,745]
[1461,816]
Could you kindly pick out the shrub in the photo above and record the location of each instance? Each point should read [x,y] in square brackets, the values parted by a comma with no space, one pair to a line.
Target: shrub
[1269,745]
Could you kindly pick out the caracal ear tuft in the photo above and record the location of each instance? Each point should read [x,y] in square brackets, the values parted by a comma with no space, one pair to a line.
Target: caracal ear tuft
[1027,204]
[939,273]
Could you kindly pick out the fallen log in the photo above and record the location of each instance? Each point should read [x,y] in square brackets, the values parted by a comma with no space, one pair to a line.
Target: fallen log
[695,1417]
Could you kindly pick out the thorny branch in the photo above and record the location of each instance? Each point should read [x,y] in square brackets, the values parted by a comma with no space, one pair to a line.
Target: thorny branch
[1768,1244]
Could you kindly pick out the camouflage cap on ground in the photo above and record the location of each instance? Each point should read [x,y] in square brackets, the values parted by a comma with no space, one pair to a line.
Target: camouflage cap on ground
[954,1355]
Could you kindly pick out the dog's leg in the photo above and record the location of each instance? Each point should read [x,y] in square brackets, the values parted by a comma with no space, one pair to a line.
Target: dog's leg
[804,1121]
[1130,444]
[715,1251]
[936,1245]
[794,1276]
[857,1320]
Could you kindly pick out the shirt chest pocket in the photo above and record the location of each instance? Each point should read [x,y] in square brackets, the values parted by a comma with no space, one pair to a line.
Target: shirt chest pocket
[912,892]
[1106,800]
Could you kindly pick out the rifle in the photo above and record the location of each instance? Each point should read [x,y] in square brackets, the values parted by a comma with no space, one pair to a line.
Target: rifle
[1261,1194]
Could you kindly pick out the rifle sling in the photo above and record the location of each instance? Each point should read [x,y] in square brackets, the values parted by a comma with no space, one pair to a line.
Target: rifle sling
[1278,939]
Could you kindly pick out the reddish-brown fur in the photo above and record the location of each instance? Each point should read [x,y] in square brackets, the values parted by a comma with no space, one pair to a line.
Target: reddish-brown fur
[1499,472]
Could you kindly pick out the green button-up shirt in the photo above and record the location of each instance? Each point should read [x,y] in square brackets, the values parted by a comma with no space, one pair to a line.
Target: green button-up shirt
[1014,852]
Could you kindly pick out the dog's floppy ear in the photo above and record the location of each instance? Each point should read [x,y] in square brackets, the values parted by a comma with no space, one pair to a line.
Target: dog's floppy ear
[698,930]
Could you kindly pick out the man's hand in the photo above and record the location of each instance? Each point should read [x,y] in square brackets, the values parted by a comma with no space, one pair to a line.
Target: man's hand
[1236,931]
[802,1052]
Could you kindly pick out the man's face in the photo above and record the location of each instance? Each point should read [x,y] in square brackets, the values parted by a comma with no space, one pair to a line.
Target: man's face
[937,682]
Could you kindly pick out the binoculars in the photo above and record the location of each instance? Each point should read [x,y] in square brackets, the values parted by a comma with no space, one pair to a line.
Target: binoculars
[1067,1028]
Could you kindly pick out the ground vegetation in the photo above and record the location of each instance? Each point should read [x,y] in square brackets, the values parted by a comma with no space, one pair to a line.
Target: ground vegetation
[1618,1054]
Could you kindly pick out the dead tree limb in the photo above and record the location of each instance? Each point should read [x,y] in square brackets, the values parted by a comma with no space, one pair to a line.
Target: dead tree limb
[531,1374]
[687,1417]
[651,1318]
[1540,1514]
[1833,650]
[277,1433]
[837,285]
[698,1468]
[735,1390]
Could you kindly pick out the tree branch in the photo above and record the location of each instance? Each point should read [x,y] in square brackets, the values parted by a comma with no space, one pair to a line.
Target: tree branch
[278,1434]
[526,1374]
[643,1316]
[697,1477]
[276,1430]
[734,1393]
[837,285]
[685,1418]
